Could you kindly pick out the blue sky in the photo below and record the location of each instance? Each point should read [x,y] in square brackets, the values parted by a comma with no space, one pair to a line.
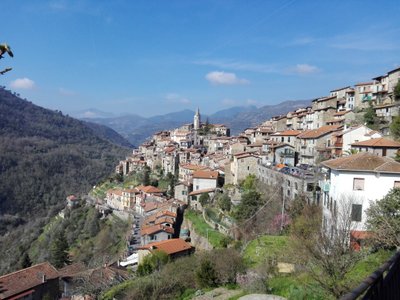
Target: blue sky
[154,57]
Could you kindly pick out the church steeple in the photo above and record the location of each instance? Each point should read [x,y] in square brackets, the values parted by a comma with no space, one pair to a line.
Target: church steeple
[197,120]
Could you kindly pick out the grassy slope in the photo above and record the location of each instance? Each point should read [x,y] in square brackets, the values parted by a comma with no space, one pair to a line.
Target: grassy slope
[202,228]
[273,247]
[301,285]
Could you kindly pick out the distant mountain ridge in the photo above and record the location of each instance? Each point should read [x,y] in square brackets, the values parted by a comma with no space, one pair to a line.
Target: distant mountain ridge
[136,129]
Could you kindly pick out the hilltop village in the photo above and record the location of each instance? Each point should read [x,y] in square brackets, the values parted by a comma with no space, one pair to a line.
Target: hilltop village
[321,152]
[339,154]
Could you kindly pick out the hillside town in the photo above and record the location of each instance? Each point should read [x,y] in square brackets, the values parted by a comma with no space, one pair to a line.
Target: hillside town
[326,153]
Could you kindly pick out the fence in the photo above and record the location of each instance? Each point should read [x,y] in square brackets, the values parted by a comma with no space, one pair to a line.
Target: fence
[384,283]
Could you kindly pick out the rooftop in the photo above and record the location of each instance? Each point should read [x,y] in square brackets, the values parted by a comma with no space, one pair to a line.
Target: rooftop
[205,174]
[316,133]
[149,189]
[287,133]
[170,246]
[154,229]
[20,281]
[377,143]
[203,191]
[364,161]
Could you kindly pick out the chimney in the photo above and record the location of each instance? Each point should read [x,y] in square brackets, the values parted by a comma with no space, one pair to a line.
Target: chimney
[43,278]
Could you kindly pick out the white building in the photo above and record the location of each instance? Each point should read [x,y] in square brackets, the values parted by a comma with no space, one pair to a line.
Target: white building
[354,182]
[205,180]
[358,134]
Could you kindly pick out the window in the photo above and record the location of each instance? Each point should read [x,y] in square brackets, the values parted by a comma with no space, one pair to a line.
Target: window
[396,184]
[288,192]
[248,168]
[296,186]
[356,211]
[288,183]
[358,184]
[197,187]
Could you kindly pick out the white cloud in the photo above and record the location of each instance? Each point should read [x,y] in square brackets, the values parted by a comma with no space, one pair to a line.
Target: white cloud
[89,114]
[251,102]
[23,83]
[66,92]
[224,78]
[176,98]
[238,65]
[304,69]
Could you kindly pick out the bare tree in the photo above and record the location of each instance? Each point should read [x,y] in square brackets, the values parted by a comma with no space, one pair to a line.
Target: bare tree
[324,249]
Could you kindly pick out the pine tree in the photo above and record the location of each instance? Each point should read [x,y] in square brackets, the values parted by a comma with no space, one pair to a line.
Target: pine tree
[396,91]
[146,176]
[395,127]
[206,275]
[26,261]
[58,251]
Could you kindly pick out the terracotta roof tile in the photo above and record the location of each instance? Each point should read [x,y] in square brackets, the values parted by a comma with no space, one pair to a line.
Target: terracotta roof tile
[377,143]
[25,279]
[161,220]
[193,167]
[149,189]
[146,230]
[316,133]
[205,174]
[363,161]
[170,246]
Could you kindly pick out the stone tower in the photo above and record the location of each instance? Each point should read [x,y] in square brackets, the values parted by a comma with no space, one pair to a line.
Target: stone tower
[197,120]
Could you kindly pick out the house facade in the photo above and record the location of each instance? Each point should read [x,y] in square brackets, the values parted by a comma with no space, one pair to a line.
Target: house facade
[350,186]
[379,146]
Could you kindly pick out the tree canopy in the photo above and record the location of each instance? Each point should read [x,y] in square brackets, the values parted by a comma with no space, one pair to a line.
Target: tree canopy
[383,219]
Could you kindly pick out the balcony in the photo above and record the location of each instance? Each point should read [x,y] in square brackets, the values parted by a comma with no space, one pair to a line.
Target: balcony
[325,185]
[366,98]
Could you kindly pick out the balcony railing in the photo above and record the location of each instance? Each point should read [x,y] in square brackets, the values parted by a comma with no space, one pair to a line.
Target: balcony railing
[382,284]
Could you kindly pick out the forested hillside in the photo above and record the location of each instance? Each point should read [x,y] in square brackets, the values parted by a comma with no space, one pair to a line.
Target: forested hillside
[45,156]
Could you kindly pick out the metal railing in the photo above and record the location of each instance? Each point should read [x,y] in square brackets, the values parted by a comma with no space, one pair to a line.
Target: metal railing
[384,283]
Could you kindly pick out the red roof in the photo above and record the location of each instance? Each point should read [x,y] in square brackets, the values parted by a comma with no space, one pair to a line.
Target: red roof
[316,133]
[149,189]
[170,246]
[23,280]
[364,161]
[360,235]
[155,228]
[206,174]
[193,167]
[377,143]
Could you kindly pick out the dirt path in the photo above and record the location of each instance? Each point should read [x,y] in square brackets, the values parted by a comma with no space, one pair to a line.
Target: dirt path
[219,294]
